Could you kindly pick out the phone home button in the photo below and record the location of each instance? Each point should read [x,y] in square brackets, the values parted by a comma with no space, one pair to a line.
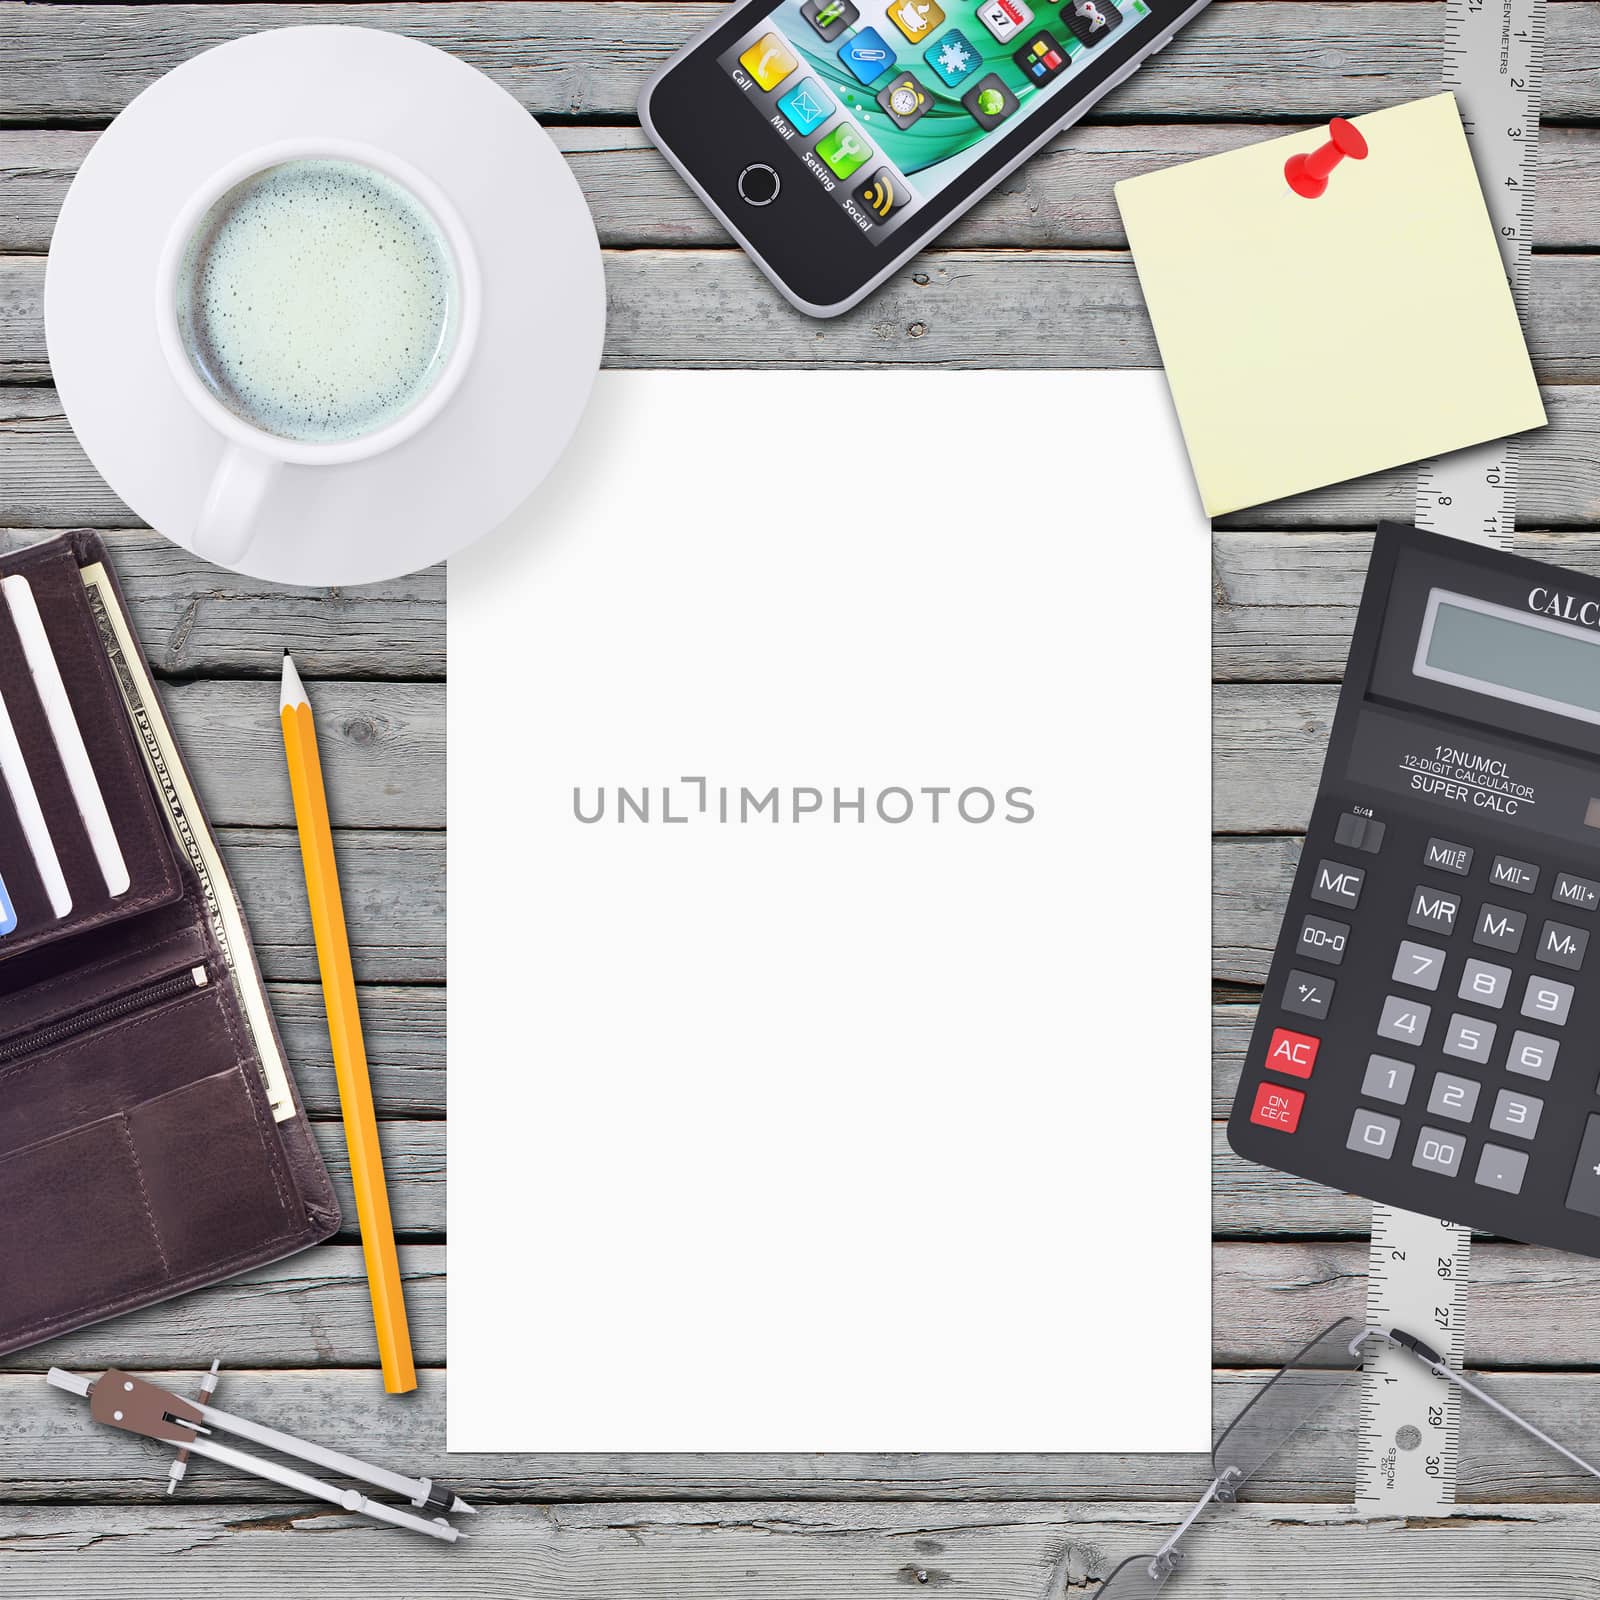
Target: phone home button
[759,184]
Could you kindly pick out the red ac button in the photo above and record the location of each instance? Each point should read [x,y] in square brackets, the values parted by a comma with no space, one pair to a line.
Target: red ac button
[1292,1053]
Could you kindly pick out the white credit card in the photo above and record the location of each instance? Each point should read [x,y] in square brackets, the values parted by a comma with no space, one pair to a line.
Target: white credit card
[68,736]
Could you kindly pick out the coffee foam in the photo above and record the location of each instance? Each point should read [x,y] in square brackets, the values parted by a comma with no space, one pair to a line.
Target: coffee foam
[317,300]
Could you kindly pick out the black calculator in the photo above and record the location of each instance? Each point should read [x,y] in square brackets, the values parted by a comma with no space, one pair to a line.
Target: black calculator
[1430,1032]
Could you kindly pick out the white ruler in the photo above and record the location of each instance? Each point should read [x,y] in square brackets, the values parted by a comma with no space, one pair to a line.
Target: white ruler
[1418,1267]
[1410,1420]
[1494,61]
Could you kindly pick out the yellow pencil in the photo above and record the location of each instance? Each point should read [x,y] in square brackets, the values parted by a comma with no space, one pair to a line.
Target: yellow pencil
[344,1029]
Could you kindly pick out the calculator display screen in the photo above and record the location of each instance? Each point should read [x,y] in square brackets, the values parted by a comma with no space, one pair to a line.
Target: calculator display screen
[1512,655]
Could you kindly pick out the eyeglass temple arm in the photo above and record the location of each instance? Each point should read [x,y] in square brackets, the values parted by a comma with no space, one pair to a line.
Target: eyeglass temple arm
[1167,1559]
[1440,1368]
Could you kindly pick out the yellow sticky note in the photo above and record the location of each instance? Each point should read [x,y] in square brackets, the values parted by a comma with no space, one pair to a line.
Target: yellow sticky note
[1310,341]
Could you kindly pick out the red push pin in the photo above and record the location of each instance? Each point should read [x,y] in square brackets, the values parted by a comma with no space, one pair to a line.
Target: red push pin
[1308,175]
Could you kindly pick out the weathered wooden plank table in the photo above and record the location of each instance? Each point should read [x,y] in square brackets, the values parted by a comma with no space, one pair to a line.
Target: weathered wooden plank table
[1037,276]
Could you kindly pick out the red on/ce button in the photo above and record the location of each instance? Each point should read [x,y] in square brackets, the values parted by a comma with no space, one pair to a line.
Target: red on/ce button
[1277,1107]
[1292,1053]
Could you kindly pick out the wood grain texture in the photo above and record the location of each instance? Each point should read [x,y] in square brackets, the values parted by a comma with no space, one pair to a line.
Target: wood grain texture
[404,1027]
[393,886]
[382,748]
[787,1549]
[195,619]
[1248,58]
[1250,882]
[1060,199]
[1531,1308]
[49,483]
[52,1452]
[1283,607]
[945,309]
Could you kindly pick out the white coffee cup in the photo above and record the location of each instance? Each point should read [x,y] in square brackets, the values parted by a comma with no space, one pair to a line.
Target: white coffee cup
[255,457]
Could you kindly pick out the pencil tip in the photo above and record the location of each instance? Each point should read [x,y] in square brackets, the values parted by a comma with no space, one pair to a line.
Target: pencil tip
[294,691]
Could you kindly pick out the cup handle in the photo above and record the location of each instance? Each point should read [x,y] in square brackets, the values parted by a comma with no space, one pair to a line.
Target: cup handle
[227,525]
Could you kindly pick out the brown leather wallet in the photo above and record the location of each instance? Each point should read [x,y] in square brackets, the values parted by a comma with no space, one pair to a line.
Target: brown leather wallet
[151,1136]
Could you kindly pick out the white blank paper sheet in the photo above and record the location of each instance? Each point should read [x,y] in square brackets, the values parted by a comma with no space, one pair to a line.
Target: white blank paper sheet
[829,815]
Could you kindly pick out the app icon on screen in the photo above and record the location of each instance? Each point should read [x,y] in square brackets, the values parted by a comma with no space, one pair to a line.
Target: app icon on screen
[1003,18]
[844,150]
[905,100]
[829,17]
[916,19]
[989,101]
[882,195]
[807,106]
[1041,58]
[1091,20]
[867,54]
[768,61]
[953,56]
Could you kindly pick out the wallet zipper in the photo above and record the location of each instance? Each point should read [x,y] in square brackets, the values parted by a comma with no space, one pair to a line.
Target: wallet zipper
[124,1005]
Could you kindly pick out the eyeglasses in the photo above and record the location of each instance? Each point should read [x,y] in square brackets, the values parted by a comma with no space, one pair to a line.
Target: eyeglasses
[1302,1389]
[1307,1384]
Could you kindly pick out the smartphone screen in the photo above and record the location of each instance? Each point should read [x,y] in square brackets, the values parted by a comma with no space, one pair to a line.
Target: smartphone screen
[888,109]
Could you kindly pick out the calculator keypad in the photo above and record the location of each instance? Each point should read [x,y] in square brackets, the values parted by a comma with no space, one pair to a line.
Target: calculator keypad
[1423,1022]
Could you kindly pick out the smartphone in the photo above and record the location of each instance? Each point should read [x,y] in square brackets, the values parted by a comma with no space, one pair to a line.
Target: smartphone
[835,138]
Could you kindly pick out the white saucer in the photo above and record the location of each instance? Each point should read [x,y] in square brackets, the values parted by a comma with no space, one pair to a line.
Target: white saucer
[543,297]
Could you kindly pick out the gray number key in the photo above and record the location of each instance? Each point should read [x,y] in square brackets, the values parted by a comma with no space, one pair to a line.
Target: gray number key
[1453,1097]
[1485,984]
[1547,1000]
[1563,946]
[1373,1134]
[1439,1151]
[1516,1114]
[1420,965]
[1470,1038]
[1499,927]
[1533,1055]
[1499,1168]
[1405,1020]
[1433,909]
[1388,1078]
